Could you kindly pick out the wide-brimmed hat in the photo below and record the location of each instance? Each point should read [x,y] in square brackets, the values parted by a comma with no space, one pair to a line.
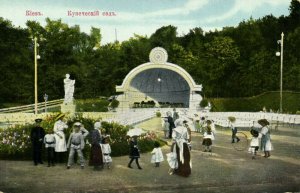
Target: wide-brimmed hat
[77,124]
[97,125]
[231,119]
[263,122]
[38,120]
[60,116]
[254,132]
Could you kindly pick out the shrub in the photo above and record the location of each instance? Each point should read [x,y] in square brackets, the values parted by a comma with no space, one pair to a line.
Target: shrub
[15,141]
[114,103]
[158,114]
[203,103]
[91,105]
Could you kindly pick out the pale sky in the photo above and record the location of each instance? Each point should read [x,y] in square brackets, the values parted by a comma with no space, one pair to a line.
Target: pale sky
[143,17]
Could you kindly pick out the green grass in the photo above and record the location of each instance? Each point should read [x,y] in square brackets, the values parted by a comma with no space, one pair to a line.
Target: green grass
[92,105]
[270,100]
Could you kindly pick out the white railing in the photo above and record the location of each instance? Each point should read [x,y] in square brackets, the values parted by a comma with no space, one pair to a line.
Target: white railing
[30,108]
[248,119]
[134,116]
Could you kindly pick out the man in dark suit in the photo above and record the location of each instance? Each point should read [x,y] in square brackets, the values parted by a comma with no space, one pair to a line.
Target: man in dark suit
[171,124]
[37,136]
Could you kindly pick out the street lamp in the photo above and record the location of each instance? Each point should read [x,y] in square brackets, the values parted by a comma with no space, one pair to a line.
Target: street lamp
[281,67]
[36,57]
[46,99]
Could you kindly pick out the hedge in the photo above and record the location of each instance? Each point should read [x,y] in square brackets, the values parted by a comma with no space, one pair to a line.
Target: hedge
[270,100]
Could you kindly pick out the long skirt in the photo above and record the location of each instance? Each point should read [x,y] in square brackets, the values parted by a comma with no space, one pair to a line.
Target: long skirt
[207,142]
[184,169]
[96,158]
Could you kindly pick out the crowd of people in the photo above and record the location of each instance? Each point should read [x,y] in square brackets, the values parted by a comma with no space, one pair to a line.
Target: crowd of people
[176,130]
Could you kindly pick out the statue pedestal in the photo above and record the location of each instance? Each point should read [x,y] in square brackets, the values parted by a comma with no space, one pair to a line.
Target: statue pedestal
[68,108]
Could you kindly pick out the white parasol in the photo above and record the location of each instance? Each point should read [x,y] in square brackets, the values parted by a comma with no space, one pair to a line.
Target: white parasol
[135,132]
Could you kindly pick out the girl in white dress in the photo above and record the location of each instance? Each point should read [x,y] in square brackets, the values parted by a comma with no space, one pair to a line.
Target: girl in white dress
[106,151]
[157,156]
[266,144]
[254,143]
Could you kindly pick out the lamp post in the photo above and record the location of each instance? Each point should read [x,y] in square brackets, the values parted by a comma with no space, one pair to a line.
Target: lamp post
[281,68]
[36,57]
[35,77]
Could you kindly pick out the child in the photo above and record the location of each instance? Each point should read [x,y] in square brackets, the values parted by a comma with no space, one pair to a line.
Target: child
[157,156]
[234,138]
[202,124]
[197,126]
[76,143]
[49,141]
[208,136]
[106,150]
[134,152]
[166,126]
[254,144]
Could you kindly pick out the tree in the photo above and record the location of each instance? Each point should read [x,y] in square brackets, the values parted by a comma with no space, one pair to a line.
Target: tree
[164,37]
[222,56]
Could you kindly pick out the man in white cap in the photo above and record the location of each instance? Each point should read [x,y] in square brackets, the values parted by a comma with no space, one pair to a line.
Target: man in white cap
[76,143]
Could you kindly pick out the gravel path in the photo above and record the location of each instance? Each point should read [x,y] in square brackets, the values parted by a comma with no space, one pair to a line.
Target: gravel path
[225,170]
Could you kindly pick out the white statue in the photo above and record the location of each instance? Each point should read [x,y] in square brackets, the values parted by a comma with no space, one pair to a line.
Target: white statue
[69,89]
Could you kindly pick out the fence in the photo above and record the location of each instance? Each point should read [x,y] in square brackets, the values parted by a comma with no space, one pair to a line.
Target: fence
[30,108]
[134,116]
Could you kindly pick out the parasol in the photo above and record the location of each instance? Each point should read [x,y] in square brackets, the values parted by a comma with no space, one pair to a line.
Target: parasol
[135,132]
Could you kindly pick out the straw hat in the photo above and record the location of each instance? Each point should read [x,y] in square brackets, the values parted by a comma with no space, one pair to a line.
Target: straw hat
[231,119]
[263,122]
[78,124]
[208,122]
[97,125]
[59,116]
[38,120]
[254,132]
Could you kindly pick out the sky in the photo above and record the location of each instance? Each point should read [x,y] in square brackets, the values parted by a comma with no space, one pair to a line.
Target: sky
[142,17]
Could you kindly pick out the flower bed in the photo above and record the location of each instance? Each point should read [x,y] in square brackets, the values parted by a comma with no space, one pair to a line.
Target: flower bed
[15,141]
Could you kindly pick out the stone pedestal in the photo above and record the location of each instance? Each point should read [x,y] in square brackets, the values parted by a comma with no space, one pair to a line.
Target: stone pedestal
[68,108]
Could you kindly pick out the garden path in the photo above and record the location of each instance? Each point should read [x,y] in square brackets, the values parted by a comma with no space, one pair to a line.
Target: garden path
[225,170]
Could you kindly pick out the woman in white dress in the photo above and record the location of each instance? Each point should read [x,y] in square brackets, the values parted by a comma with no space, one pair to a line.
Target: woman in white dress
[60,139]
[181,165]
[266,144]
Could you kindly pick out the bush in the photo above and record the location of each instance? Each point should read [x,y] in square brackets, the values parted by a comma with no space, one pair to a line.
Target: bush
[270,100]
[158,114]
[15,141]
[91,105]
[203,103]
[114,103]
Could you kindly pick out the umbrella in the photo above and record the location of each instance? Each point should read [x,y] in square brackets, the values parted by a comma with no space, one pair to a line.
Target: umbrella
[135,132]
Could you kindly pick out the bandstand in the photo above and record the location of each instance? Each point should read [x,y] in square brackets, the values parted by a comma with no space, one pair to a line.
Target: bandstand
[160,82]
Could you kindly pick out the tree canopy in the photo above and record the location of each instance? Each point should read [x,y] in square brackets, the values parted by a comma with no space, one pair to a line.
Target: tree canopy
[233,62]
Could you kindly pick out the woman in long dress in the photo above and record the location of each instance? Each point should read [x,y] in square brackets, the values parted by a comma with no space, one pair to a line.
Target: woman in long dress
[182,164]
[60,139]
[96,158]
[266,144]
